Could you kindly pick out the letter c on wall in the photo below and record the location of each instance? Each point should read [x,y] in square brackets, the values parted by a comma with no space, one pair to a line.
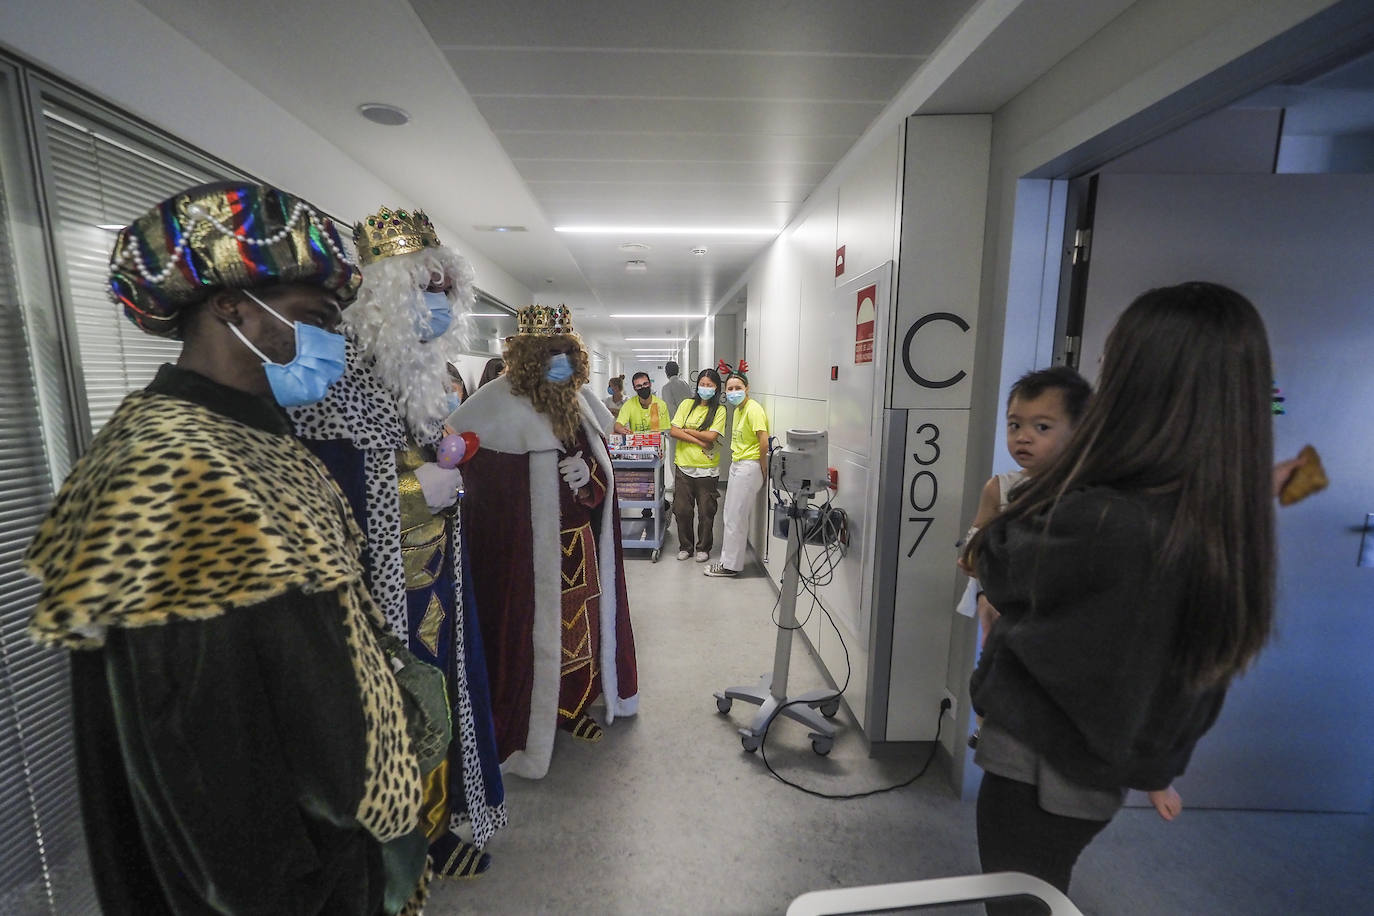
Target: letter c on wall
[911,336]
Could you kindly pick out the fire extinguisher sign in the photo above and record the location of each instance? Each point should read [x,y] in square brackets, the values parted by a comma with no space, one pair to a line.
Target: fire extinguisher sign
[865,313]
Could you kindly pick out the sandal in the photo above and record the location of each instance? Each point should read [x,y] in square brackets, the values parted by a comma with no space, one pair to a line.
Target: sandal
[454,857]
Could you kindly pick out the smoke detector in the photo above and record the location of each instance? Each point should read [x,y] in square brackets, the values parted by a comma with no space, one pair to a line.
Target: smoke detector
[699,251]
[636,266]
[384,114]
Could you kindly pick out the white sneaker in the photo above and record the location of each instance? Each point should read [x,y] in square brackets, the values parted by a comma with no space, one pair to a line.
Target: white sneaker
[683,554]
[716,569]
[702,556]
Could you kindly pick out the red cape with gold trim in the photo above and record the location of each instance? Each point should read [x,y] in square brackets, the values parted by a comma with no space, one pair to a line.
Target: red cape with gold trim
[511,517]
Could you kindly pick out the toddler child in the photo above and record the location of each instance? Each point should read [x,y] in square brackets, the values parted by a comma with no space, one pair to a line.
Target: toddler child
[1042,410]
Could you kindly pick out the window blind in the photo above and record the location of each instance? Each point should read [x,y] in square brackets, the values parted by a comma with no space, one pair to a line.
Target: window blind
[99,179]
[102,182]
[42,855]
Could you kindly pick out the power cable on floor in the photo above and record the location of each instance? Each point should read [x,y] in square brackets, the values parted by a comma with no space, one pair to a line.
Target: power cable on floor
[820,572]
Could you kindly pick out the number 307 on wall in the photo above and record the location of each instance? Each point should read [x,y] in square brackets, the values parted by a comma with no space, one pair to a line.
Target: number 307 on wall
[933,484]
[923,490]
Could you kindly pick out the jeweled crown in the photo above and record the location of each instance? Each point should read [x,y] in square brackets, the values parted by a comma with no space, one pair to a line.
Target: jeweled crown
[391,232]
[544,320]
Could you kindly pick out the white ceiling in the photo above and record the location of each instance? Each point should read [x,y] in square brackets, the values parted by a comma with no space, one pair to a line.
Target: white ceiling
[710,114]
[545,113]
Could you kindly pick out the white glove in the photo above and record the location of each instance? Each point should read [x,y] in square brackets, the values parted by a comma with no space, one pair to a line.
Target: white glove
[575,472]
[440,485]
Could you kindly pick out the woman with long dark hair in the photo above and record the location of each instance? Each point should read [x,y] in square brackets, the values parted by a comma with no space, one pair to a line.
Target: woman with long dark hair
[698,426]
[494,369]
[1135,579]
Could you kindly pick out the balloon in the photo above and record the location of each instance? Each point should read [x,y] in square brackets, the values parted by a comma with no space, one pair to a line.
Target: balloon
[457,448]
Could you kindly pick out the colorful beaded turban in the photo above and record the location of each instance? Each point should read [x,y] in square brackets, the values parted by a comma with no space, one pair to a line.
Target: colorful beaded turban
[391,232]
[229,235]
[544,320]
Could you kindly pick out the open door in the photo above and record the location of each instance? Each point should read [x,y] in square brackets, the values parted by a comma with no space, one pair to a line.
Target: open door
[1297,731]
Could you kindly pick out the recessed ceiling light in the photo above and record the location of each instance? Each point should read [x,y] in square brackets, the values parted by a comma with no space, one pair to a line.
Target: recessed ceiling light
[500,228]
[384,114]
[637,266]
[109,227]
[634,246]
[666,230]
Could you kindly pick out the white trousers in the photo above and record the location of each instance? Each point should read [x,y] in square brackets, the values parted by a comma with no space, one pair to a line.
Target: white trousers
[745,479]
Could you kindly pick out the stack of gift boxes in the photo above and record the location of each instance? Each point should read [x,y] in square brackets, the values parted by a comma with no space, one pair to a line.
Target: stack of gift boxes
[650,444]
[636,483]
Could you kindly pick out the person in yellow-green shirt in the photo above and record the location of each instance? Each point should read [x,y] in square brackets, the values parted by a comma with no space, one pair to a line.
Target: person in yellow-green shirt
[645,413]
[748,471]
[699,428]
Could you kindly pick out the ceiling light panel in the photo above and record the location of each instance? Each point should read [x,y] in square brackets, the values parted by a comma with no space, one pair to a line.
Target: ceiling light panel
[670,315]
[762,231]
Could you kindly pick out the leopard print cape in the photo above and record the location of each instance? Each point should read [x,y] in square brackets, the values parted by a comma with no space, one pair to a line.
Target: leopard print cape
[178,512]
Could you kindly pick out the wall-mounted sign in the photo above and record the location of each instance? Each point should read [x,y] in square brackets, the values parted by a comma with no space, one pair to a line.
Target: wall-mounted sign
[935,328]
[931,521]
[839,261]
[910,339]
[865,313]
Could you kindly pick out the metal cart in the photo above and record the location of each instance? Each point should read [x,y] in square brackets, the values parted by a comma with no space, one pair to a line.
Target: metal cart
[639,488]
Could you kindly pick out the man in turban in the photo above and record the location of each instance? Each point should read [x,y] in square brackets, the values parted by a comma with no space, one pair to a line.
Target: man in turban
[241,740]
[550,582]
[377,431]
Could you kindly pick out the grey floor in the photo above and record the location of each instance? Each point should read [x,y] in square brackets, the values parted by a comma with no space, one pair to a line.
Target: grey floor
[668,815]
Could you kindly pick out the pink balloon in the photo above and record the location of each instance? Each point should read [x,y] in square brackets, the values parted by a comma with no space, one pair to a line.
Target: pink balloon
[452,449]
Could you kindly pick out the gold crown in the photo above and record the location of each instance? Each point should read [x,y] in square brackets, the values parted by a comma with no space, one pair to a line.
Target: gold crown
[391,232]
[544,320]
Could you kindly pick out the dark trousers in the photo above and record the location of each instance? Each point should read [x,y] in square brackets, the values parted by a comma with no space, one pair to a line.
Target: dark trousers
[702,494]
[1016,834]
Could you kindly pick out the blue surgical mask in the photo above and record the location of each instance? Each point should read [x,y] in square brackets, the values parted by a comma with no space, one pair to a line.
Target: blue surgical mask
[454,399]
[560,368]
[735,398]
[440,316]
[705,393]
[320,361]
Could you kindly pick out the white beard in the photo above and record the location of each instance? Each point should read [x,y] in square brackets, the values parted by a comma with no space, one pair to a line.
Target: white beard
[382,322]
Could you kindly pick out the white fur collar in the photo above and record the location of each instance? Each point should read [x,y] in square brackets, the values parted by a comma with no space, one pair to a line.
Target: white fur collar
[506,422]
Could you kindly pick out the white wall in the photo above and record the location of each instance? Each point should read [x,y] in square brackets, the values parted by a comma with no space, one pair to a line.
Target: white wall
[125,55]
[788,322]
